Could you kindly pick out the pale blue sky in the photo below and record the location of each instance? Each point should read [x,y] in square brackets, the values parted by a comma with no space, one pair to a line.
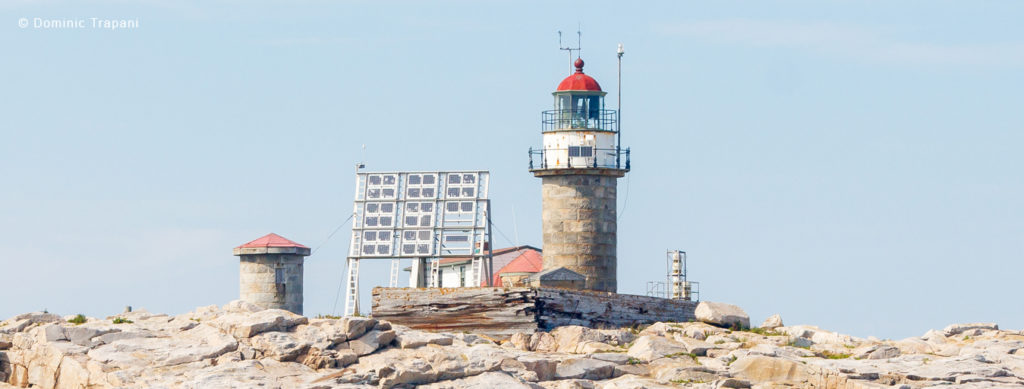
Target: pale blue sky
[854,165]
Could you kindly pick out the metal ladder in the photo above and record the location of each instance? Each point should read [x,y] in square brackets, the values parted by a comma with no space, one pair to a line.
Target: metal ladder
[395,265]
[435,272]
[352,291]
[478,271]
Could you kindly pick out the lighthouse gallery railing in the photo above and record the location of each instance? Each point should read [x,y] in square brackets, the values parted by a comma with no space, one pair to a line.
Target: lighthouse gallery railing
[577,119]
[593,162]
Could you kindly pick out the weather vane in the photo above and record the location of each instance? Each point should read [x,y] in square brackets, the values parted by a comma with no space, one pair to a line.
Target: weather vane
[578,49]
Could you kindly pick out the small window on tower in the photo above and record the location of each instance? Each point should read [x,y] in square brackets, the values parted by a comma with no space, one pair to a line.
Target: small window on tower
[581,151]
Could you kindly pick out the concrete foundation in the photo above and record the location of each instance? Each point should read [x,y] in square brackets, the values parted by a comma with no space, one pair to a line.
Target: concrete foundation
[272,281]
[579,226]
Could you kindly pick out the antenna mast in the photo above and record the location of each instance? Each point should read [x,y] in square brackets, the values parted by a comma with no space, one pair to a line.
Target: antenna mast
[618,134]
[577,49]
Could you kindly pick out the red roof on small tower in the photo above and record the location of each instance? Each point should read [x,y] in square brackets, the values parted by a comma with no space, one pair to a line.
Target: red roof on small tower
[579,81]
[271,240]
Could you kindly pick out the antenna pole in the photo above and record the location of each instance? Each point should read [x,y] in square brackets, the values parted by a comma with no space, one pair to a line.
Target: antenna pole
[618,142]
[579,36]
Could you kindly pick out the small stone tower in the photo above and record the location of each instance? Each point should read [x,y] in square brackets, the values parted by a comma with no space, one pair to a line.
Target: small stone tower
[271,272]
[580,164]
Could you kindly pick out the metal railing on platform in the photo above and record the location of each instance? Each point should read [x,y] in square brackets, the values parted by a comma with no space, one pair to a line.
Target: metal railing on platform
[594,160]
[575,119]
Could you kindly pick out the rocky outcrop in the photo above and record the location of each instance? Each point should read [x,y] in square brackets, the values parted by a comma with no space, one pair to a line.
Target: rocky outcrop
[722,314]
[772,322]
[240,345]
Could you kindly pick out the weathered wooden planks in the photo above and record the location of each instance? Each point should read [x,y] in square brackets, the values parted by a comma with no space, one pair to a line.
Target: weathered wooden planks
[493,311]
[504,311]
[559,307]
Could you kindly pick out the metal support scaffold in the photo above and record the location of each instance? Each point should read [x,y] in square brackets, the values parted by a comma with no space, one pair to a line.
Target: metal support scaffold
[430,215]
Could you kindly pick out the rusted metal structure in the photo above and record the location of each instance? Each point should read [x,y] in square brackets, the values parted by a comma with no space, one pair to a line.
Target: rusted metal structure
[501,312]
[579,164]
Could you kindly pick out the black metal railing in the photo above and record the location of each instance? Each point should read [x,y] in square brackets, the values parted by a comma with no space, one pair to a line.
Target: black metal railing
[580,119]
[596,160]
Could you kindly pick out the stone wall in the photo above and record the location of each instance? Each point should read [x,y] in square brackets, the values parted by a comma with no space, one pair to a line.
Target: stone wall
[501,312]
[260,282]
[579,227]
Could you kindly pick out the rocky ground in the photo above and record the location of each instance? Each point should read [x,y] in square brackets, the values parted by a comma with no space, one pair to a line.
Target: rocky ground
[239,345]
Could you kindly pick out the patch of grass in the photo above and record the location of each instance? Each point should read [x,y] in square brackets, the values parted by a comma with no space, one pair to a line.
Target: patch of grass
[849,346]
[731,360]
[967,337]
[765,332]
[681,381]
[194,319]
[633,361]
[121,320]
[737,327]
[792,343]
[78,319]
[691,355]
[829,355]
[635,329]
[719,341]
[332,317]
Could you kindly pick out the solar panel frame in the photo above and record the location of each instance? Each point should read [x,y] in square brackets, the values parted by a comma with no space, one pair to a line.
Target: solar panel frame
[430,192]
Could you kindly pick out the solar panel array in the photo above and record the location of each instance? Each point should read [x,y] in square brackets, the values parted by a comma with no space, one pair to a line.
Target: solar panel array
[419,214]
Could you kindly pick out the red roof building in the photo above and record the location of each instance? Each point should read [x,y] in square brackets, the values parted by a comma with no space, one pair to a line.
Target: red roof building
[525,265]
[454,271]
[272,244]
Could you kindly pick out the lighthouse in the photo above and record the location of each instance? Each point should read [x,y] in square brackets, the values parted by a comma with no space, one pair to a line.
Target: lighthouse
[579,165]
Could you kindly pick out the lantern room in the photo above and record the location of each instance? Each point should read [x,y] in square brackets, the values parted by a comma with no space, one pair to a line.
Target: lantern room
[579,105]
[579,133]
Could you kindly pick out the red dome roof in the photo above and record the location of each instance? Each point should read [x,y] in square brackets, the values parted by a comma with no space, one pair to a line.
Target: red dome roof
[579,81]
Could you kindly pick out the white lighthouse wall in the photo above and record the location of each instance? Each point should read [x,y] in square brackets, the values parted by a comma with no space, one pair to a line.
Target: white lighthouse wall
[556,148]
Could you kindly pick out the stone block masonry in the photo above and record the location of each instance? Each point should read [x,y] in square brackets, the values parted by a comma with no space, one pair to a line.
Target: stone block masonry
[579,227]
[272,281]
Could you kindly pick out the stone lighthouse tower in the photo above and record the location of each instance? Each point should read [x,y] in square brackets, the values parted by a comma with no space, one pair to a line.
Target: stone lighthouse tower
[270,275]
[580,164]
